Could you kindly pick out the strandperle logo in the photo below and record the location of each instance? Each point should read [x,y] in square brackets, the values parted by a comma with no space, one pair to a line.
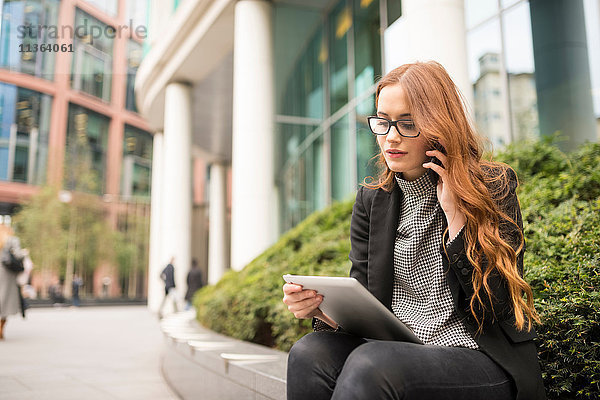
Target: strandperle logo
[80,31]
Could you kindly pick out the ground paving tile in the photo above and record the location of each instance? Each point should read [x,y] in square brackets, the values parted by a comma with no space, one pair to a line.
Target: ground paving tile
[83,353]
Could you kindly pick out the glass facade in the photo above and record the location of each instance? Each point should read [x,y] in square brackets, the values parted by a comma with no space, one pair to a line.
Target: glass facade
[107,6]
[592,25]
[24,129]
[366,144]
[137,11]
[137,163]
[85,158]
[91,70]
[134,58]
[25,26]
[502,70]
[322,96]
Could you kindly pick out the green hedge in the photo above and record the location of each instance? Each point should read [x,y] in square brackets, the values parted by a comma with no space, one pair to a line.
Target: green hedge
[560,202]
[247,304]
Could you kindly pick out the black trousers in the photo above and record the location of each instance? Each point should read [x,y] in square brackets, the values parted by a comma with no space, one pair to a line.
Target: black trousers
[329,365]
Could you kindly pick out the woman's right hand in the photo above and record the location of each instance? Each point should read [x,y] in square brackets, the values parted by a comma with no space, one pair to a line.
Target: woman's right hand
[304,304]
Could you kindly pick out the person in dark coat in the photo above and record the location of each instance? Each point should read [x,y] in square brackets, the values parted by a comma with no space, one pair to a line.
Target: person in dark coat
[76,284]
[10,292]
[194,282]
[437,238]
[168,277]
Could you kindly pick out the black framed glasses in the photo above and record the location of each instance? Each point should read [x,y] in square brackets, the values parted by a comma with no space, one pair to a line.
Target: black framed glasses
[381,126]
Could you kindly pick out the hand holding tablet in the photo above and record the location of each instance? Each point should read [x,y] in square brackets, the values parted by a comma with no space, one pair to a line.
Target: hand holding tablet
[347,302]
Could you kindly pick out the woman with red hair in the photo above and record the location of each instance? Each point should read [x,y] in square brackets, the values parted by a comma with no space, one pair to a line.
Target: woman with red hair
[438,239]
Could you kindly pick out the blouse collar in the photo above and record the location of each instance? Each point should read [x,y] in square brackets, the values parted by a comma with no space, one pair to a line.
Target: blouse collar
[418,187]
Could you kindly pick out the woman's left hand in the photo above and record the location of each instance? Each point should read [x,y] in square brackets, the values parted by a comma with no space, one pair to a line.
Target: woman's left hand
[447,198]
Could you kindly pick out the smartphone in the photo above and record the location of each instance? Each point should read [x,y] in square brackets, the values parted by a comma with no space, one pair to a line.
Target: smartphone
[437,146]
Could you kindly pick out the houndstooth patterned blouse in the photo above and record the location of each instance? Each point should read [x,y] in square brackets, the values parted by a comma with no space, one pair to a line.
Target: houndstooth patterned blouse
[421,297]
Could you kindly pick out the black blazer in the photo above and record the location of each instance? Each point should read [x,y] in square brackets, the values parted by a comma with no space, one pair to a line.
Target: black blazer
[372,235]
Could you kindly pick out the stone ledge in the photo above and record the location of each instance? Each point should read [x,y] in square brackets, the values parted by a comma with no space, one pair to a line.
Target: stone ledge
[199,363]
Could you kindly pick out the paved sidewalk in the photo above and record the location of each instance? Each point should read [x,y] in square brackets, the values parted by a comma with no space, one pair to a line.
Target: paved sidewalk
[85,353]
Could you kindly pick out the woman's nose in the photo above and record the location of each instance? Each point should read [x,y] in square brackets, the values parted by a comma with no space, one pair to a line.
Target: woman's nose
[394,135]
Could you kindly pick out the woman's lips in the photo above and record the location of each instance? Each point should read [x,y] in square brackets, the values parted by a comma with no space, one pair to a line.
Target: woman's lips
[395,153]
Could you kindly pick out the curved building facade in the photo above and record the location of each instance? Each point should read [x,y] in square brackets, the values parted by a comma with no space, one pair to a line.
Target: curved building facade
[266,101]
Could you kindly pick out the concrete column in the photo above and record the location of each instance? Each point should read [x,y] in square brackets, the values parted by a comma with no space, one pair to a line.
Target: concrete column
[155,284]
[177,184]
[217,231]
[562,72]
[433,30]
[254,213]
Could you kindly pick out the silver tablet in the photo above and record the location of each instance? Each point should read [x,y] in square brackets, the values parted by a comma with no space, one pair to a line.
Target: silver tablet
[355,309]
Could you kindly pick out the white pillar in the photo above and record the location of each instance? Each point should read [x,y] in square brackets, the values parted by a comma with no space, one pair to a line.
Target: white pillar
[217,231]
[254,213]
[431,30]
[155,284]
[177,185]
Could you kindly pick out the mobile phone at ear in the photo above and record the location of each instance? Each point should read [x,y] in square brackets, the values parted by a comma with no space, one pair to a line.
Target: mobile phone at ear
[437,146]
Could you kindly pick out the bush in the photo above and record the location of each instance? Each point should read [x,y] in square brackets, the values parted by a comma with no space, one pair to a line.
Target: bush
[560,203]
[247,304]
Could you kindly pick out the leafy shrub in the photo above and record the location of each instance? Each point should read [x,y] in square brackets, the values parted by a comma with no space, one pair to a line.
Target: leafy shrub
[560,203]
[247,304]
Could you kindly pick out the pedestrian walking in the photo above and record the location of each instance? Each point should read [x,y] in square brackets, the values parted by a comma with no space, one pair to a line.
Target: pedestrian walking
[194,283]
[75,286]
[437,238]
[168,277]
[11,257]
[24,281]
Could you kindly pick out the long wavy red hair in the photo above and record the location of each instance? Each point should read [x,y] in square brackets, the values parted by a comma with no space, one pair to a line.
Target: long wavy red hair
[438,111]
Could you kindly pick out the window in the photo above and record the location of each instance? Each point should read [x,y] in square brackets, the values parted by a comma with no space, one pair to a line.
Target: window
[340,23]
[92,60]
[134,58]
[341,184]
[137,163]
[107,6]
[137,12]
[366,144]
[22,28]
[367,44]
[325,61]
[518,55]
[484,46]
[24,126]
[85,159]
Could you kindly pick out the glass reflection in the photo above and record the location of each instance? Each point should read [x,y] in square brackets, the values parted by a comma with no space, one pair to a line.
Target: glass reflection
[508,3]
[85,159]
[24,128]
[134,59]
[26,24]
[484,51]
[477,11]
[137,162]
[518,53]
[366,144]
[341,175]
[299,74]
[301,173]
[339,25]
[592,26]
[367,44]
[91,70]
[108,6]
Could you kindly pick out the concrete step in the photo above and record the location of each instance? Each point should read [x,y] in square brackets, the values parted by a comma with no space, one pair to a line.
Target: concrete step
[200,363]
